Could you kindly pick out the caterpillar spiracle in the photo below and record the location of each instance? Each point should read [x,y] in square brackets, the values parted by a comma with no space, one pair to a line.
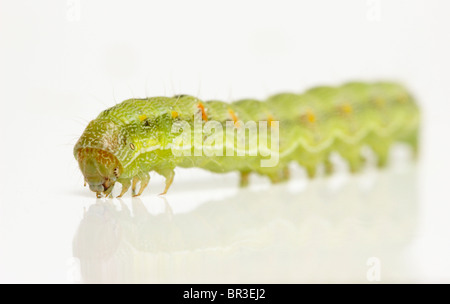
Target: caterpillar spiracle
[127,141]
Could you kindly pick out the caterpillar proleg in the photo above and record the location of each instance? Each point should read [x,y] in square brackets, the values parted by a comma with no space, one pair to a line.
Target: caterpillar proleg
[127,141]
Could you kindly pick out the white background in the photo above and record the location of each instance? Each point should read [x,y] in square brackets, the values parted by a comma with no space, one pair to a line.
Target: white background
[62,62]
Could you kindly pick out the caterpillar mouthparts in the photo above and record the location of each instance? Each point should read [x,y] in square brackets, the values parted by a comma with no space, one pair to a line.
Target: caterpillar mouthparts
[100,169]
[127,141]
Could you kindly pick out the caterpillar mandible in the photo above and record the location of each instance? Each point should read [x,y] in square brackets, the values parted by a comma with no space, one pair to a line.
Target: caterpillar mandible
[127,141]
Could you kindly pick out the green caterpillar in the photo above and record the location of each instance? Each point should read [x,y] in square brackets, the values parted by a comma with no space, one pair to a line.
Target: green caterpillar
[127,141]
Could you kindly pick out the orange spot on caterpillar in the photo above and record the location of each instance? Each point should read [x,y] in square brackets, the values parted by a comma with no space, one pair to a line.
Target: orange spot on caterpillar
[379,102]
[310,116]
[142,117]
[234,117]
[270,120]
[403,98]
[202,107]
[175,114]
[346,108]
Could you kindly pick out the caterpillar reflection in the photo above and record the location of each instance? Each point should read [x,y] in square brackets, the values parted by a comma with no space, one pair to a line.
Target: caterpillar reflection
[127,141]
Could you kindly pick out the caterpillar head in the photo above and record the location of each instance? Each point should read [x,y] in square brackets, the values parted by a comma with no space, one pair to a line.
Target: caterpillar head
[100,168]
[96,152]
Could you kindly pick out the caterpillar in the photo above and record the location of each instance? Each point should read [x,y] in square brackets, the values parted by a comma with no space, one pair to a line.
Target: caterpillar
[127,141]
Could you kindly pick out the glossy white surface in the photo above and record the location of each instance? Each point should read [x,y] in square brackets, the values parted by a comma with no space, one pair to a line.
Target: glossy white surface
[58,72]
[273,234]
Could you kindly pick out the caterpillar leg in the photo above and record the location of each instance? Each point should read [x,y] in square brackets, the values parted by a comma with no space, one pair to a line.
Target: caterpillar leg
[415,147]
[286,173]
[169,174]
[413,141]
[108,191]
[329,167]
[354,158]
[279,176]
[310,165]
[311,170]
[245,178]
[134,185]
[144,178]
[383,157]
[356,163]
[126,183]
[382,153]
